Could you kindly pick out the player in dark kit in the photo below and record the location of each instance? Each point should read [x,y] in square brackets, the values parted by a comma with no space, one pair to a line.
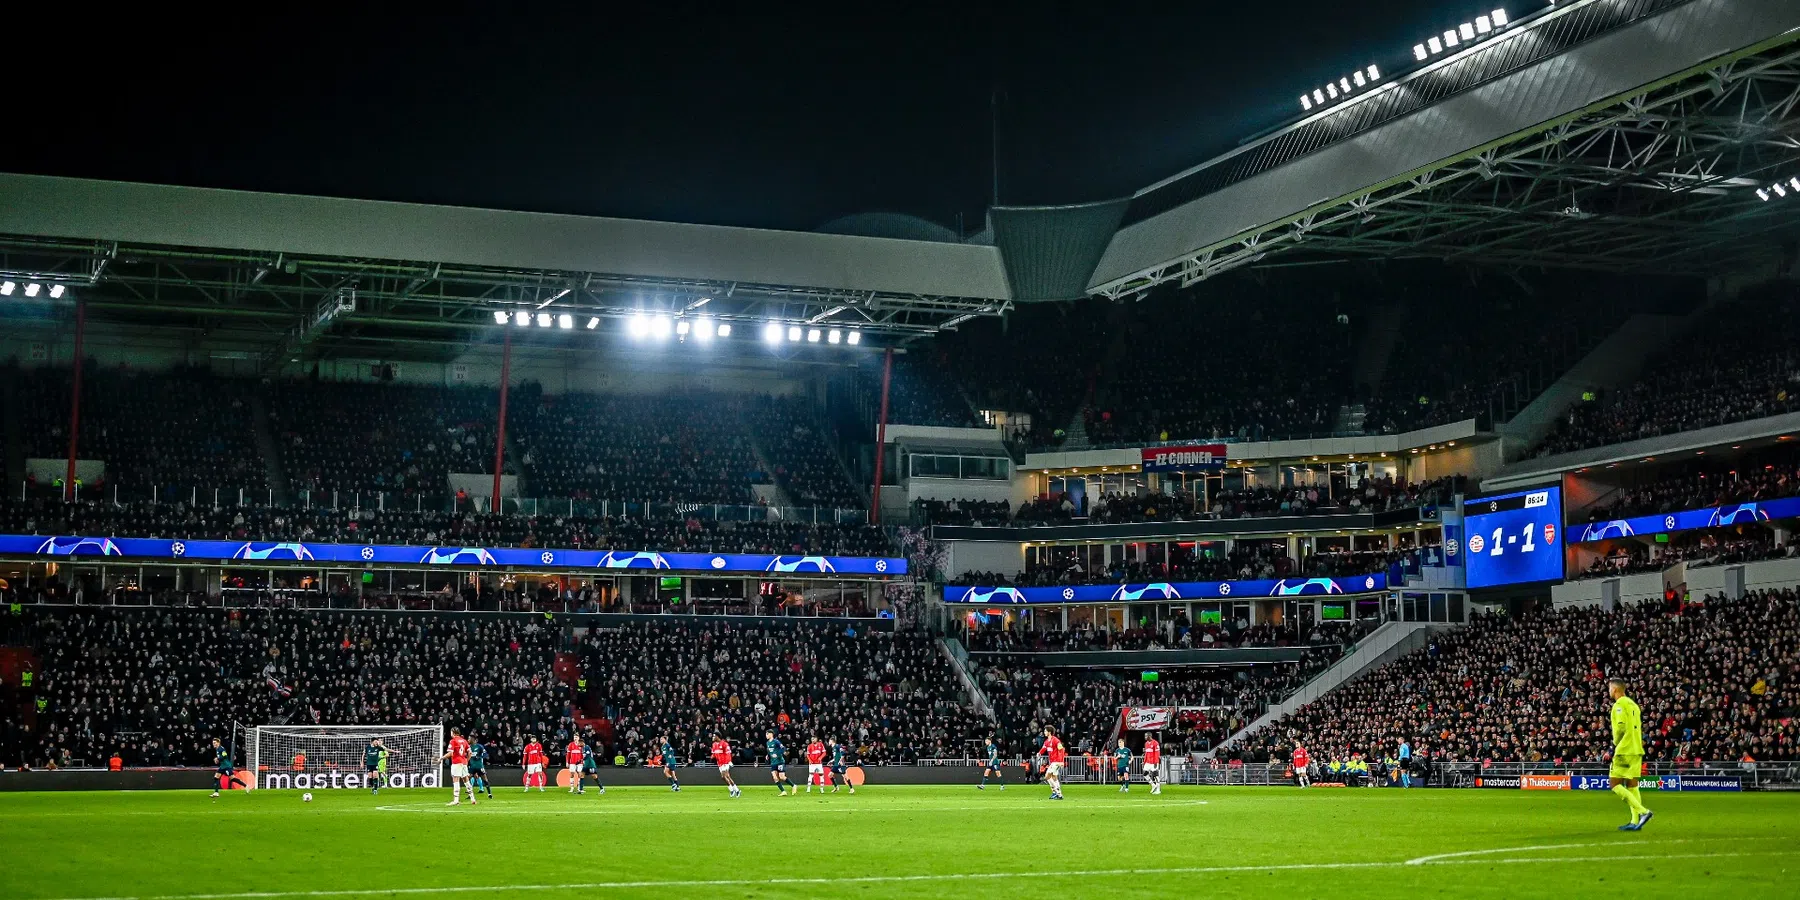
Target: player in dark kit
[590,766]
[372,765]
[670,763]
[227,777]
[991,766]
[1122,765]
[778,764]
[840,764]
[478,755]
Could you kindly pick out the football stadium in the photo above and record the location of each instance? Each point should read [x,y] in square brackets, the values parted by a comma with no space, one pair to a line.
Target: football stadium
[1391,493]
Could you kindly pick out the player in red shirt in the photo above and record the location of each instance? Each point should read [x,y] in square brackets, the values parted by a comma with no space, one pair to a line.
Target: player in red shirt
[534,763]
[1153,763]
[458,754]
[721,756]
[1055,754]
[572,756]
[1301,762]
[815,765]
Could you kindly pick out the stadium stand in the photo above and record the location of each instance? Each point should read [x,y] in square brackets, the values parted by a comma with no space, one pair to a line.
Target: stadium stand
[381,438]
[804,465]
[923,393]
[1714,679]
[1703,484]
[1742,363]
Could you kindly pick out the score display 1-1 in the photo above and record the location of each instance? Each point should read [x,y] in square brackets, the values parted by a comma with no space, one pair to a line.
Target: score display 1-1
[1514,538]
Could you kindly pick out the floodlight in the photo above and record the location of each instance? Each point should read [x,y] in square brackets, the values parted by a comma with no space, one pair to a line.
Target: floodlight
[1305,102]
[1436,45]
[1373,73]
[660,326]
[1344,85]
[1318,96]
[834,336]
[1450,38]
[812,335]
[1419,52]
[772,333]
[682,327]
[855,338]
[1778,189]
[500,316]
[543,320]
[565,321]
[794,333]
[1466,30]
[1358,78]
[639,325]
[593,322]
[724,329]
[6,288]
[1759,192]
[522,319]
[31,290]
[1331,91]
[1499,18]
[1484,24]
[703,328]
[1794,182]
[56,291]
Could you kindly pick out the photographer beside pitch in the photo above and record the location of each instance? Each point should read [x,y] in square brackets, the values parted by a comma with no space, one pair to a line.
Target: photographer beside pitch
[1628,754]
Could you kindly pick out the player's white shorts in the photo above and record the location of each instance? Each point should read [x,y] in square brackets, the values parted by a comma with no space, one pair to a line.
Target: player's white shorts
[1054,770]
[534,768]
[815,768]
[459,770]
[725,768]
[574,772]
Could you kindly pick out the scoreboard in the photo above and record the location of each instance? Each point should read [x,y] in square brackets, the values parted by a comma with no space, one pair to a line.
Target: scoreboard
[1514,538]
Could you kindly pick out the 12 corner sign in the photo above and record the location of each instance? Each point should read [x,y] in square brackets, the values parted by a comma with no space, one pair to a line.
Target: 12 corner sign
[278,781]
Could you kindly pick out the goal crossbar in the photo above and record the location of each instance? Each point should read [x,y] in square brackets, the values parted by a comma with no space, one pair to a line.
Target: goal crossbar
[314,757]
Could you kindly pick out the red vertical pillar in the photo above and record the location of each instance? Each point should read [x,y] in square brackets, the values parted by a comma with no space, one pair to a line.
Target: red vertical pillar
[500,432]
[75,401]
[887,379]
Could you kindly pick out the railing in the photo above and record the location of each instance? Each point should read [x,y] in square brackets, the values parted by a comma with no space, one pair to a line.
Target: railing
[1443,773]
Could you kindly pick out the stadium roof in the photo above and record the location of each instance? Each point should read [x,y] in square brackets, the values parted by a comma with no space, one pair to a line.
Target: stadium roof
[1611,134]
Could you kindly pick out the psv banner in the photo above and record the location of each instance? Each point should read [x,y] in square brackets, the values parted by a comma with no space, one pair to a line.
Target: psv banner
[1188,458]
[1148,718]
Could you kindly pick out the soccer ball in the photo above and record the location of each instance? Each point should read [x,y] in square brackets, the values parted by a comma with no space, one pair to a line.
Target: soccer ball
[306,797]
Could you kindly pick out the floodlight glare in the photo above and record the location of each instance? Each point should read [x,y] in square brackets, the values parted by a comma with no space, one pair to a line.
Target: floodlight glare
[1435,45]
[724,329]
[812,336]
[6,288]
[703,328]
[56,291]
[1795,182]
[1331,91]
[682,327]
[661,325]
[593,322]
[522,319]
[1484,24]
[1450,38]
[855,338]
[1499,18]
[31,290]
[794,333]
[1419,52]
[835,336]
[1318,96]
[543,320]
[639,325]
[1759,192]
[500,317]
[565,321]
[1305,102]
[1358,78]
[1778,189]
[1466,30]
[1374,73]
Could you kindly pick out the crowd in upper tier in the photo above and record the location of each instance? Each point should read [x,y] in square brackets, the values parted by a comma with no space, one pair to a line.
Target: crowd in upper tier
[1717,679]
[1699,485]
[1366,496]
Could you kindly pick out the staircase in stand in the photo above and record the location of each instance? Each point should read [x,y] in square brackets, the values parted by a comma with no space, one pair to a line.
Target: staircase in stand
[264,436]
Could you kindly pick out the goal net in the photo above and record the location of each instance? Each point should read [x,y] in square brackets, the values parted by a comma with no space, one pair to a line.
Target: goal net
[314,757]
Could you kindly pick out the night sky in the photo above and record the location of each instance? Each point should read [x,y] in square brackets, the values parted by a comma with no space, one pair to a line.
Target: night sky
[729,114]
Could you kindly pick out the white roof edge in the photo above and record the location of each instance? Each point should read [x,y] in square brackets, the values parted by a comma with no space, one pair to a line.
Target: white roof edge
[211,218]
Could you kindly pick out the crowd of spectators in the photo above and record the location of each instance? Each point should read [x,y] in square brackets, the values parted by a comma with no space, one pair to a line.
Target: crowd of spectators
[1702,486]
[922,392]
[804,465]
[157,685]
[1180,634]
[1039,362]
[660,448]
[962,512]
[1743,363]
[1712,548]
[1247,560]
[1716,679]
[381,438]
[440,528]
[889,696]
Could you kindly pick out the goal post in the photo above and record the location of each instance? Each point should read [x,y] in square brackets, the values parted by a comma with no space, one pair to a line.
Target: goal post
[315,757]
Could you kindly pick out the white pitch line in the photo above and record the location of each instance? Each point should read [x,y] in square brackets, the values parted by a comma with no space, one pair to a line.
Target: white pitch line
[893,879]
[750,810]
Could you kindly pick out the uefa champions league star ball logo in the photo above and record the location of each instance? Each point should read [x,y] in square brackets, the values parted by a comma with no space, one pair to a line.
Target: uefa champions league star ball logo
[1225,588]
[368,553]
[881,565]
[1669,522]
[1476,543]
[1068,593]
[547,557]
[178,549]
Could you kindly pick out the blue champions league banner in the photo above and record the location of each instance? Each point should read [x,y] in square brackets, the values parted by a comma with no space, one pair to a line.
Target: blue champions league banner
[1687,520]
[1700,783]
[1159,591]
[389,555]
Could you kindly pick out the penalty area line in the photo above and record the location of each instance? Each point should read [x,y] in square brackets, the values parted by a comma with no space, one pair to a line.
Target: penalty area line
[899,879]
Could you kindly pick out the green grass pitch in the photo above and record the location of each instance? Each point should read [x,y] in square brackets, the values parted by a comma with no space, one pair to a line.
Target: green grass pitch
[929,842]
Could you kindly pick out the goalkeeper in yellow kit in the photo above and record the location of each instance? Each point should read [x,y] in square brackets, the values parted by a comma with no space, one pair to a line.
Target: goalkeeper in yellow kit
[1628,754]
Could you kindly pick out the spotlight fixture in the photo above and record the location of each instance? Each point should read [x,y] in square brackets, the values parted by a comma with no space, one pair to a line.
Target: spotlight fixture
[724,329]
[543,320]
[1343,87]
[772,333]
[854,338]
[794,333]
[7,288]
[661,326]
[32,288]
[565,321]
[500,316]
[812,336]
[56,291]
[834,337]
[682,327]
[593,322]
[1480,29]
[638,326]
[522,319]
[703,328]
